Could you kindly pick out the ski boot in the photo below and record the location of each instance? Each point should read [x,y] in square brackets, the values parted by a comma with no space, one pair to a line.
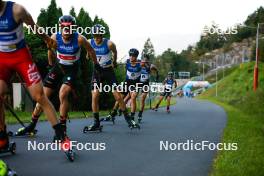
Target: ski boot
[27,131]
[132,116]
[155,109]
[64,140]
[5,170]
[119,112]
[140,116]
[95,127]
[168,110]
[110,117]
[131,123]
[5,146]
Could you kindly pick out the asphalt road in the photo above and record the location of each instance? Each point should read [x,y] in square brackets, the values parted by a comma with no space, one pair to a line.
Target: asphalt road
[136,152]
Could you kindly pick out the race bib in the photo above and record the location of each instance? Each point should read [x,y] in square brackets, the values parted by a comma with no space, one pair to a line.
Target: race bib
[144,77]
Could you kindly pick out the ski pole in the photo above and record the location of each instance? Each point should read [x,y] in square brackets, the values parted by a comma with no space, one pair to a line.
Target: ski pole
[13,113]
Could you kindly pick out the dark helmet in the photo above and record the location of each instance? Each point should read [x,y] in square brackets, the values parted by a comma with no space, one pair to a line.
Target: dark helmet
[133,52]
[67,20]
[97,29]
[170,74]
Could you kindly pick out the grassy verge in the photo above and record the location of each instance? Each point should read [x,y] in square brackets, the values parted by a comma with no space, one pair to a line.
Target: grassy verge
[247,131]
[26,116]
[245,123]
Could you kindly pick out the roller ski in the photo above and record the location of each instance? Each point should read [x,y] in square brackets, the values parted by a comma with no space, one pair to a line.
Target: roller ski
[69,152]
[131,123]
[64,140]
[134,125]
[10,148]
[5,146]
[27,131]
[140,116]
[93,128]
[155,109]
[168,110]
[5,170]
[110,117]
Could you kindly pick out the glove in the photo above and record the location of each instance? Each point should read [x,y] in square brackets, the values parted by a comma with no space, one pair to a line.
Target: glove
[97,67]
[49,67]
[51,44]
[114,64]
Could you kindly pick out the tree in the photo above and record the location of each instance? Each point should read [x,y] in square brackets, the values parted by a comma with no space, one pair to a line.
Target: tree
[98,20]
[170,60]
[149,49]
[49,17]
[72,12]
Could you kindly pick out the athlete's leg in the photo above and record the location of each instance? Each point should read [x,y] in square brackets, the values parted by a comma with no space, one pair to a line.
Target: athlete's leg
[142,105]
[118,97]
[133,96]
[3,90]
[38,110]
[95,101]
[116,105]
[127,98]
[95,107]
[35,116]
[65,90]
[143,98]
[168,102]
[4,141]
[37,93]
[160,100]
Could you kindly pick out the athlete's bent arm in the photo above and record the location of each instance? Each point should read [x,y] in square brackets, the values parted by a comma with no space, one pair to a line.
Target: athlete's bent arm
[89,49]
[175,83]
[112,47]
[22,15]
[52,53]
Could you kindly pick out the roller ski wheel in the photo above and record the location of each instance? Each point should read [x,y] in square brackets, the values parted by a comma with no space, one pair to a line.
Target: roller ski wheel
[108,119]
[5,170]
[70,154]
[134,125]
[155,109]
[87,129]
[139,119]
[10,133]
[11,173]
[13,148]
[10,149]
[23,132]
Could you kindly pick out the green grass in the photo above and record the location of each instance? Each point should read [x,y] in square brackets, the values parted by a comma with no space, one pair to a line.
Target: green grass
[220,74]
[26,116]
[245,123]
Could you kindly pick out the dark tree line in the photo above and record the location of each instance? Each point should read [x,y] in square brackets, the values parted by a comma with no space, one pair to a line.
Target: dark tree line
[49,18]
